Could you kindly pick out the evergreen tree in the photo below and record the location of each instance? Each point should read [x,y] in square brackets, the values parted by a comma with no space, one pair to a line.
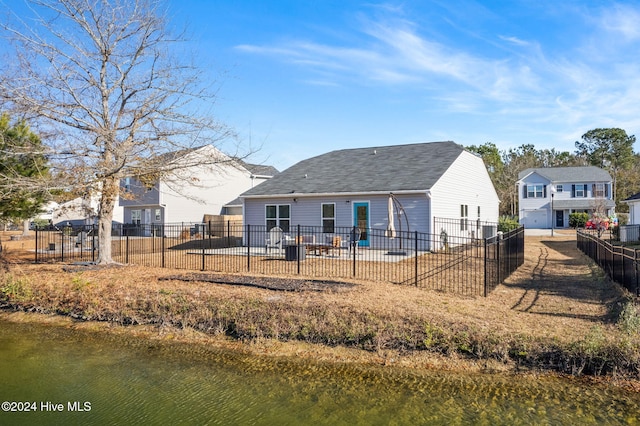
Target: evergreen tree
[22,163]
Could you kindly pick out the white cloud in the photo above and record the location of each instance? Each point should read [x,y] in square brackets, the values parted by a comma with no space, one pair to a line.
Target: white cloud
[622,20]
[526,81]
[515,40]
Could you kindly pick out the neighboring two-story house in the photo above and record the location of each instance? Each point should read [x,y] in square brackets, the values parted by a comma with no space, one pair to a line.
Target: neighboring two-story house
[548,195]
[190,193]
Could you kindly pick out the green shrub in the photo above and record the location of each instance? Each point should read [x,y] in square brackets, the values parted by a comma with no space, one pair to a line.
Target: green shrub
[15,289]
[578,220]
[629,319]
[508,223]
[623,218]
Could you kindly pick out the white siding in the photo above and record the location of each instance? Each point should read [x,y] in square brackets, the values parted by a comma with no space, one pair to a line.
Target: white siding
[634,212]
[536,212]
[202,192]
[193,191]
[466,182]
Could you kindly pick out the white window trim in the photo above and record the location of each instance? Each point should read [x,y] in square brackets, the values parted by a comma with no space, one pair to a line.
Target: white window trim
[322,218]
[535,187]
[464,217]
[600,190]
[278,219]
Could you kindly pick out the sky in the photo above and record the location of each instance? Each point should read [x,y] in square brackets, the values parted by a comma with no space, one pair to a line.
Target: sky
[301,78]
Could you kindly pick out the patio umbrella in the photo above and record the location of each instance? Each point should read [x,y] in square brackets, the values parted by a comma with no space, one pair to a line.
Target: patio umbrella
[391,230]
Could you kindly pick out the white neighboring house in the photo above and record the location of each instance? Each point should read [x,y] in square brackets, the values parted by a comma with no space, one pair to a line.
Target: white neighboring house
[634,209]
[81,211]
[47,212]
[193,192]
[548,195]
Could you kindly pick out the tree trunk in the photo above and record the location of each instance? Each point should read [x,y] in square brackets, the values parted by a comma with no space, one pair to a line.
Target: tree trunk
[110,191]
[25,227]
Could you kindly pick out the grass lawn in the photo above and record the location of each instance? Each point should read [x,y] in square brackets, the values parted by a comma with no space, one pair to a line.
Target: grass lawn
[558,311]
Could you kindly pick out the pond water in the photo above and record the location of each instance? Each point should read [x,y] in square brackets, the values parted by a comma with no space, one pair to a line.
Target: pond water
[67,376]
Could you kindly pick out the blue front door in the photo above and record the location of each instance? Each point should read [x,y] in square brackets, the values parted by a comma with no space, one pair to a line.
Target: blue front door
[361,220]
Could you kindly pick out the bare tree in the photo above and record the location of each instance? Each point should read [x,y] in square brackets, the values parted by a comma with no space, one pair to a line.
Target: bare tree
[105,80]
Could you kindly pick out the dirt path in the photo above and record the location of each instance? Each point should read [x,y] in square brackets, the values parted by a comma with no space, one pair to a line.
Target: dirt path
[559,281]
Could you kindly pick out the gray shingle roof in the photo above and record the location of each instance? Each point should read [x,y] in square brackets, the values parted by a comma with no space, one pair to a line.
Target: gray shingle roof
[260,169]
[633,197]
[576,203]
[569,174]
[385,168]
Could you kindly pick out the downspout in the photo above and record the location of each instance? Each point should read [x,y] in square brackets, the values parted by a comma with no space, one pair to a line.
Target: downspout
[431,221]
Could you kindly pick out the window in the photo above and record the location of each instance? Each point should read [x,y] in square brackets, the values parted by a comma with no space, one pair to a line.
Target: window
[478,212]
[136,216]
[127,184]
[464,215]
[329,218]
[598,190]
[535,191]
[158,215]
[559,188]
[278,215]
[580,191]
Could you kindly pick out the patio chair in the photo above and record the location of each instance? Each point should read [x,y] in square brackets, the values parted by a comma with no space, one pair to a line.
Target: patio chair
[274,239]
[333,242]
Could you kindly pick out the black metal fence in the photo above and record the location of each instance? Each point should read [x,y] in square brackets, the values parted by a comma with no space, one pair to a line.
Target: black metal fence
[504,254]
[618,262]
[457,264]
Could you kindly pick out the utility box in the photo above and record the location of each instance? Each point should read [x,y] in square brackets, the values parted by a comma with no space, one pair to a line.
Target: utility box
[295,252]
[629,233]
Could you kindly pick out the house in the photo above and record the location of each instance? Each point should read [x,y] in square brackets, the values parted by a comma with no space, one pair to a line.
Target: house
[47,212]
[634,209]
[191,192]
[352,187]
[81,211]
[547,196]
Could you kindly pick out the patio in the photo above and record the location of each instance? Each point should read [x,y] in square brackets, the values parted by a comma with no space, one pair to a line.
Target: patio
[362,254]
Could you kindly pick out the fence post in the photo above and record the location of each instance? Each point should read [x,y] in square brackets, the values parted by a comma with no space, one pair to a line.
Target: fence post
[624,283]
[415,267]
[163,244]
[433,236]
[354,248]
[126,249]
[486,255]
[248,235]
[298,241]
[62,239]
[635,270]
[36,259]
[203,250]
[93,242]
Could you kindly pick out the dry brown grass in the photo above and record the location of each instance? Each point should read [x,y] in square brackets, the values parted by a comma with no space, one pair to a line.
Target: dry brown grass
[557,311]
